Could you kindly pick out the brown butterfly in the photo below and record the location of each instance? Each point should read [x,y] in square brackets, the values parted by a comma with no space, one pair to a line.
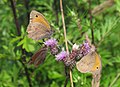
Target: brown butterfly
[91,63]
[39,56]
[38,27]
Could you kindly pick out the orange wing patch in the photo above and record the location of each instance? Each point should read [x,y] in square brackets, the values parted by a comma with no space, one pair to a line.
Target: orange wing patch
[97,64]
[40,19]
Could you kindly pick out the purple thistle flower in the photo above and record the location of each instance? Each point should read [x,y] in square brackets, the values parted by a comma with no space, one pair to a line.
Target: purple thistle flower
[61,56]
[85,48]
[51,42]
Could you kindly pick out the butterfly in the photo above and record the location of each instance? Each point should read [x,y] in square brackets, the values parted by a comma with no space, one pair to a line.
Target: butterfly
[39,56]
[38,27]
[91,63]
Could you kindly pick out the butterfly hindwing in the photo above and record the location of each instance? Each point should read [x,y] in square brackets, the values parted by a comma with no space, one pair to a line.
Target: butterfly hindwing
[37,31]
[86,63]
[97,67]
[39,56]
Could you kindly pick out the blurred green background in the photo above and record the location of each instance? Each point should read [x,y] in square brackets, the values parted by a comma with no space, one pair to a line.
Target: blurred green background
[16,48]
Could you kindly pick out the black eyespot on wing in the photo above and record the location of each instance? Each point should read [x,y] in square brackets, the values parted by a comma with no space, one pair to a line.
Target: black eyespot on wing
[97,67]
[36,15]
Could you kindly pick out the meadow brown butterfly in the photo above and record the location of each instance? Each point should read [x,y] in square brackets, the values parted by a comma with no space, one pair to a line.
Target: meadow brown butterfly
[91,63]
[38,27]
[39,56]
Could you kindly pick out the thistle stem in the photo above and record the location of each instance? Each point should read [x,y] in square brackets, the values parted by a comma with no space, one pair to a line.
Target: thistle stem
[61,8]
[63,22]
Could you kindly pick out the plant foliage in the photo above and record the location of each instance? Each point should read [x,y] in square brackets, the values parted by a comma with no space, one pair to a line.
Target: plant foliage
[16,50]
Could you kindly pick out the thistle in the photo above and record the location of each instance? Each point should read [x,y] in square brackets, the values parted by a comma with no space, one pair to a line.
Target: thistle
[52,44]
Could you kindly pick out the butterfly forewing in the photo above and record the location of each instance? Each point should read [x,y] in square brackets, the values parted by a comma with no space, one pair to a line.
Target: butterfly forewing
[39,57]
[38,27]
[38,17]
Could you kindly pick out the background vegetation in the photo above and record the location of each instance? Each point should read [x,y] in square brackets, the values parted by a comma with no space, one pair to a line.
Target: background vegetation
[16,48]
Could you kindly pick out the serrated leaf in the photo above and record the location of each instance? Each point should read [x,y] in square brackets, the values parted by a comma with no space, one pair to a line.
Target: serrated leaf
[27,46]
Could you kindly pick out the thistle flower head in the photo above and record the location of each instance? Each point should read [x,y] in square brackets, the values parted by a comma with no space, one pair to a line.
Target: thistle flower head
[86,45]
[85,48]
[61,56]
[51,42]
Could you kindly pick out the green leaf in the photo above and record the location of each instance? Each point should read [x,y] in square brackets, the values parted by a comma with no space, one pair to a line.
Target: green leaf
[54,84]
[54,75]
[98,35]
[15,39]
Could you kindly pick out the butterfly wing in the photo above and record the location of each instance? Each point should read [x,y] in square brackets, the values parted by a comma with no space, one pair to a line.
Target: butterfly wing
[38,27]
[97,67]
[96,71]
[91,63]
[38,57]
[38,17]
[86,63]
[38,31]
